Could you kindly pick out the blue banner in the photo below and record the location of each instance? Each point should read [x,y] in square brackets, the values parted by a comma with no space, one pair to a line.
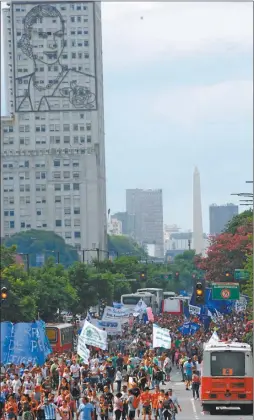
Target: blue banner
[117,305]
[224,306]
[24,343]
[183,293]
[6,332]
[189,328]
[186,311]
[206,319]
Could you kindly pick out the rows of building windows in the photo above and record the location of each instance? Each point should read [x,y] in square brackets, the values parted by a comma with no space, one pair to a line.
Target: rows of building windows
[41,164]
[72,6]
[42,116]
[10,224]
[26,141]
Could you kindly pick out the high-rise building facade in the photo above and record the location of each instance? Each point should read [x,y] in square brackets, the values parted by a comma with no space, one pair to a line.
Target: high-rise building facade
[219,216]
[145,208]
[53,153]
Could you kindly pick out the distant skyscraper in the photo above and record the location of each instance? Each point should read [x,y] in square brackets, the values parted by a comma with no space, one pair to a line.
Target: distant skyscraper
[145,209]
[219,216]
[198,240]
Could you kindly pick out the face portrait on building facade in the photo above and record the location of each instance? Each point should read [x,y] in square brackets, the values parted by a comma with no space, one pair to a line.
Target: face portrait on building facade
[51,84]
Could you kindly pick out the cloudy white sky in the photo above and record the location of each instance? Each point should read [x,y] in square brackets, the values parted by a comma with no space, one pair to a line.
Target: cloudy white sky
[178,93]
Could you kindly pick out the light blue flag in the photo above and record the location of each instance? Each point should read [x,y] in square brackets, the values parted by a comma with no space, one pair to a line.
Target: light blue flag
[27,344]
[6,332]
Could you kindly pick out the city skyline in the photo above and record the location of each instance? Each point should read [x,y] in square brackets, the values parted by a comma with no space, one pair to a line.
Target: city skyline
[187,102]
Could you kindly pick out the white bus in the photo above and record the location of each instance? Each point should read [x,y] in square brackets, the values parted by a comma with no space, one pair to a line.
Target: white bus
[131,300]
[169,295]
[158,293]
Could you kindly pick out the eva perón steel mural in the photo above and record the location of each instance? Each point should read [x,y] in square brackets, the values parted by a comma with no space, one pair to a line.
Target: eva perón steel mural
[54,57]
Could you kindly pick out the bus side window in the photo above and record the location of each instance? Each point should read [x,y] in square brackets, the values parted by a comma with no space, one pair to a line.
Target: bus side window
[67,336]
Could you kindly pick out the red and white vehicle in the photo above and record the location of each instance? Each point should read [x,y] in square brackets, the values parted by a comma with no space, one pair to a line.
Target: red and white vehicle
[172,305]
[60,336]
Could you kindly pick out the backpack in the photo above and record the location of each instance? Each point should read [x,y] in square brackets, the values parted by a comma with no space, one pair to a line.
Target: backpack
[135,402]
[159,375]
[27,415]
[196,379]
[167,404]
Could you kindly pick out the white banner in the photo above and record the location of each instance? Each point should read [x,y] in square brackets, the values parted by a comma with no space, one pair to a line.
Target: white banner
[111,326]
[194,310]
[110,312]
[140,307]
[161,337]
[93,336]
[82,350]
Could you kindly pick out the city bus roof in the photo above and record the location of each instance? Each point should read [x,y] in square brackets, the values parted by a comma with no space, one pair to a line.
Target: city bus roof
[226,345]
[59,326]
[138,294]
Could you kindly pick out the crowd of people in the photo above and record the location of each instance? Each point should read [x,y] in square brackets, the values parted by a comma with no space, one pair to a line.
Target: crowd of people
[129,380]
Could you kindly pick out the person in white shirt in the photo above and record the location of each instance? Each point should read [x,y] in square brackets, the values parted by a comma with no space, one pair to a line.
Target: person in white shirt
[118,380]
[28,387]
[167,367]
[75,370]
[16,385]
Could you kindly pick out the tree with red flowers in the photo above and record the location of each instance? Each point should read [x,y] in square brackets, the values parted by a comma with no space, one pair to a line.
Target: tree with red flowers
[226,252]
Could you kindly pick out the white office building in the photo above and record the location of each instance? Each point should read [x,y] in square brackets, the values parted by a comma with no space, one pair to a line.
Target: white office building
[145,210]
[52,150]
[115,226]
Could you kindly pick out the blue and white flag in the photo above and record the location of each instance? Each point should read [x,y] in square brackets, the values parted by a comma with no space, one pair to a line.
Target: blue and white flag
[189,328]
[212,316]
[88,317]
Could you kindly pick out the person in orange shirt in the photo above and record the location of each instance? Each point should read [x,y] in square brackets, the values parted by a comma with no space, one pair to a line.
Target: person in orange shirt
[11,408]
[155,397]
[146,400]
[160,401]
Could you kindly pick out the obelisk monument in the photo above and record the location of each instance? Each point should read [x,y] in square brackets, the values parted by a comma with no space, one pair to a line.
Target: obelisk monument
[198,240]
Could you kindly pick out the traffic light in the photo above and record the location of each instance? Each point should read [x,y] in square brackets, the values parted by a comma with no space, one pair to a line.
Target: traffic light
[177,276]
[229,276]
[200,292]
[4,294]
[142,276]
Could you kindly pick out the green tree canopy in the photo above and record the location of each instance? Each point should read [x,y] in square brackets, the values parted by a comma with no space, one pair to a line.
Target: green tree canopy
[34,242]
[21,304]
[123,245]
[54,292]
[243,219]
[248,287]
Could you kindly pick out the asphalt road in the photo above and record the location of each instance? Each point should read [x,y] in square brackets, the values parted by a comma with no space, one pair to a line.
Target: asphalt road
[191,409]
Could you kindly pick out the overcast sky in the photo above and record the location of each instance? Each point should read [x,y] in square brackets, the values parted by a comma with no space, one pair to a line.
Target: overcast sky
[178,93]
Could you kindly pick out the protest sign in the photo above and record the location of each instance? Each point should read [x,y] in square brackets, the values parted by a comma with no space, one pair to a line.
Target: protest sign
[93,336]
[161,337]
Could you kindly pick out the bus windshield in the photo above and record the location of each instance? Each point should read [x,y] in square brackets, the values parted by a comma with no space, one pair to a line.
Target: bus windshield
[228,363]
[131,300]
[51,334]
